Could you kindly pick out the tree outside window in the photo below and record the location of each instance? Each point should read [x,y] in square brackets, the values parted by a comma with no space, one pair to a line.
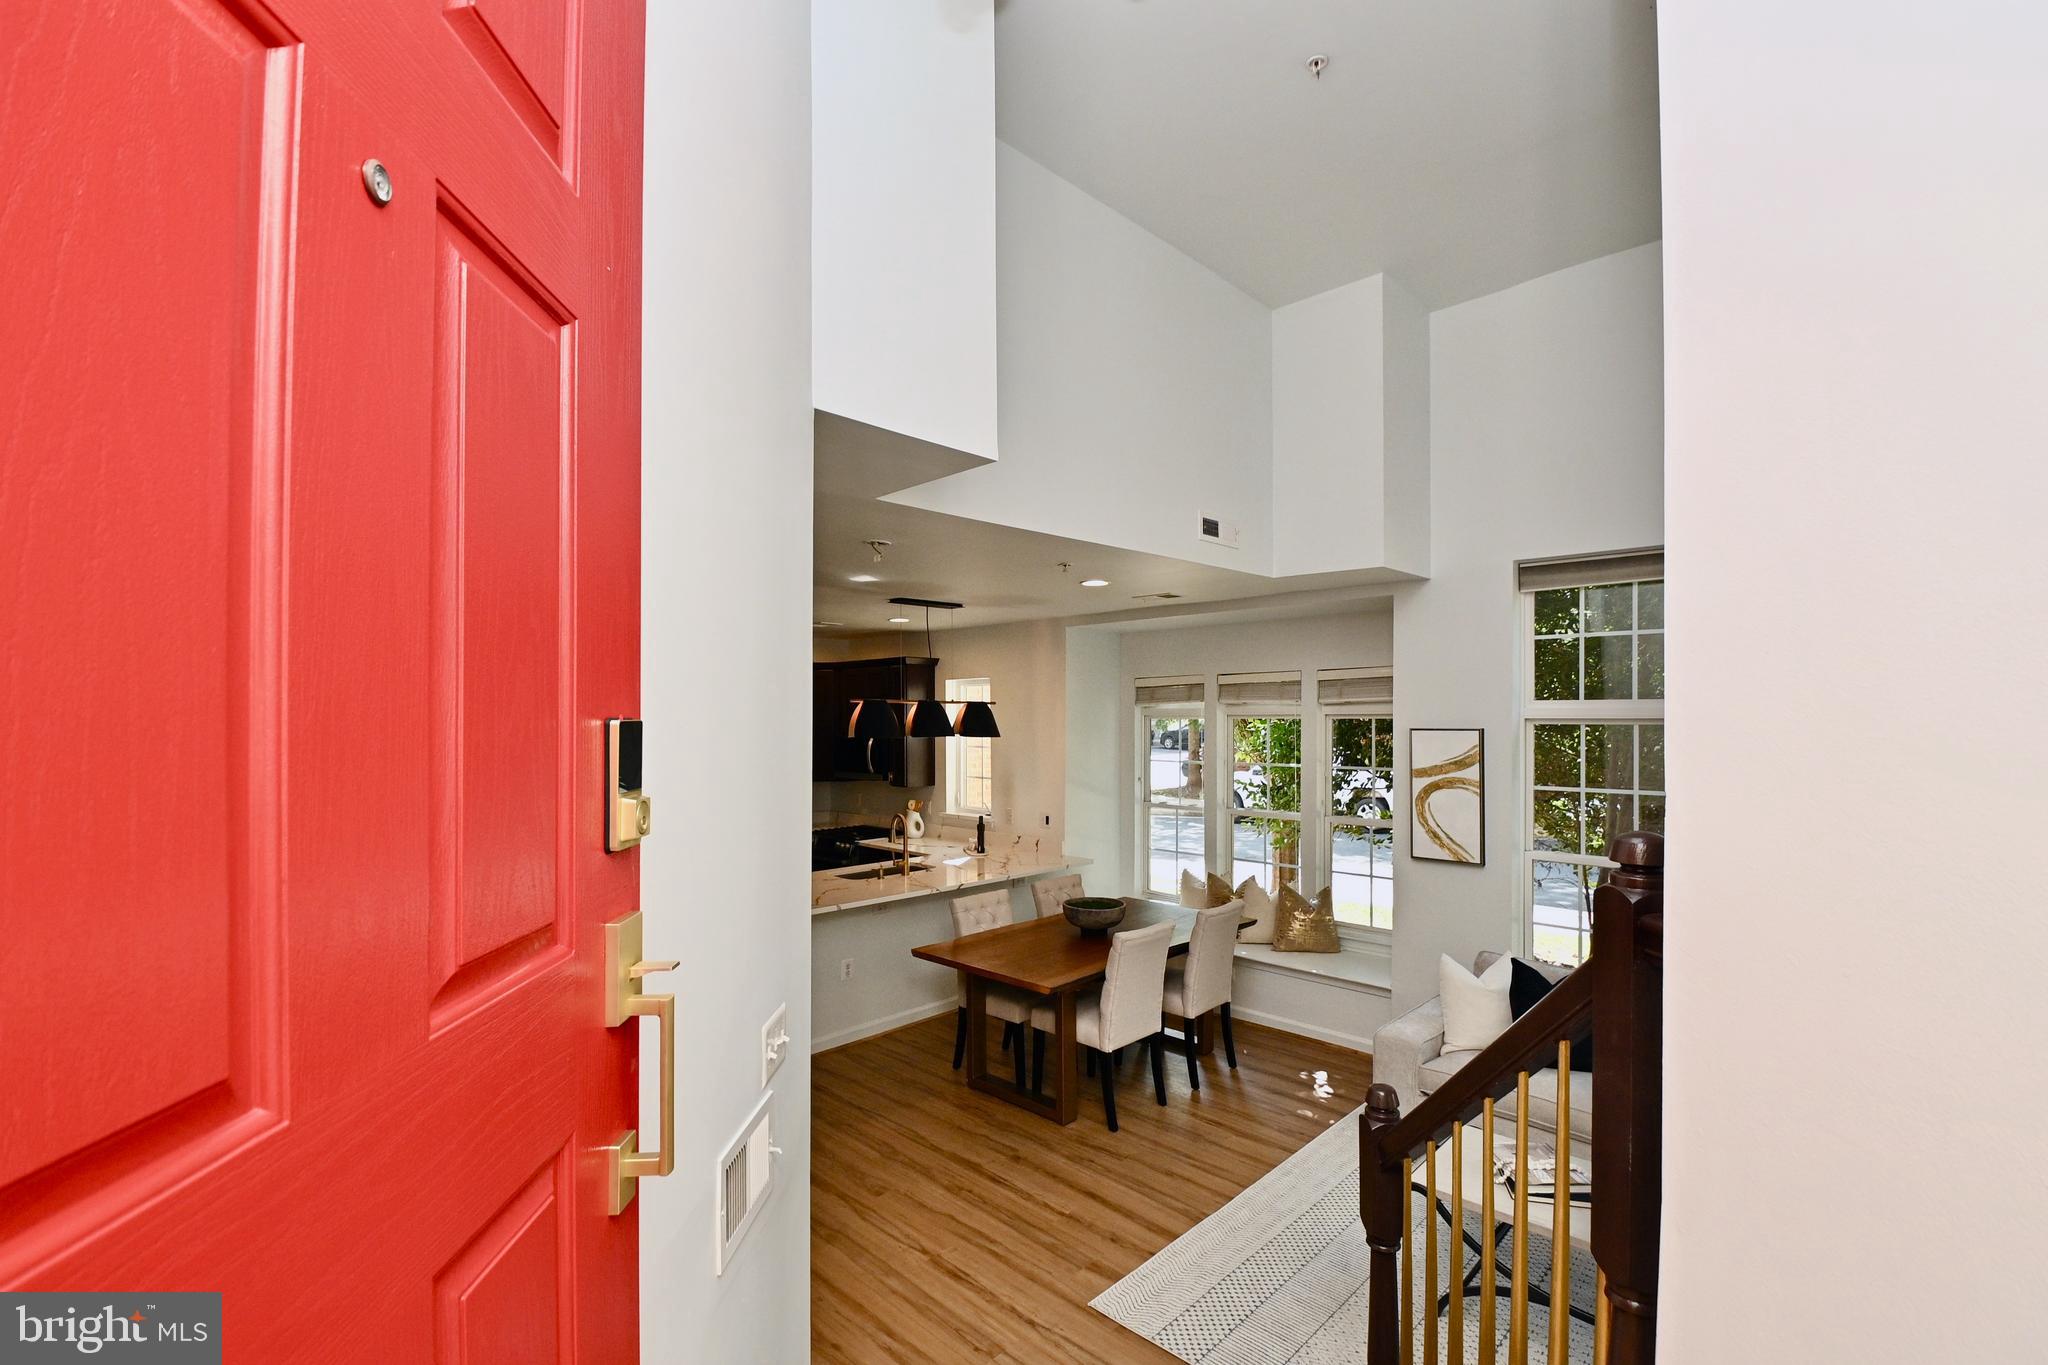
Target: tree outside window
[1265,833]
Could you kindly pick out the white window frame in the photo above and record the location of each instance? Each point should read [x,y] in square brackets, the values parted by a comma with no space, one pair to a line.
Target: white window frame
[1148,712]
[1223,827]
[1326,851]
[1597,712]
[958,748]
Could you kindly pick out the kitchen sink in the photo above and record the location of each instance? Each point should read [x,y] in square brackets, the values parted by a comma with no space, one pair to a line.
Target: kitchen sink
[879,870]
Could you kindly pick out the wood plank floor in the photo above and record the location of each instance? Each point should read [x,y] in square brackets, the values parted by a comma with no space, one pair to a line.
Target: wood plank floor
[947,1226]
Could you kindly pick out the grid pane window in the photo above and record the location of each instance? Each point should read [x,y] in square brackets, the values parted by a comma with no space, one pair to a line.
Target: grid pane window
[1596,753]
[1601,643]
[1177,842]
[1176,826]
[1265,824]
[1360,843]
[970,763]
[1173,766]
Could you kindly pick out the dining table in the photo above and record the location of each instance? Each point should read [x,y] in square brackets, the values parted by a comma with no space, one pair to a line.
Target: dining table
[1050,958]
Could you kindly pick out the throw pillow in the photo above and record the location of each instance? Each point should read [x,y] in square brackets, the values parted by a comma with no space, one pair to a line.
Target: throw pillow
[1529,986]
[1219,891]
[1476,1008]
[1258,907]
[1194,892]
[1301,926]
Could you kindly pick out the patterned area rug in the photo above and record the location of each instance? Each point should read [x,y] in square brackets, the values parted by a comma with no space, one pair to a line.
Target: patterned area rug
[1278,1274]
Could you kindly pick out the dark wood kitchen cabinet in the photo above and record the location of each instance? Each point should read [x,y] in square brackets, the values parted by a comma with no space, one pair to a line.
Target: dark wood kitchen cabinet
[835,687]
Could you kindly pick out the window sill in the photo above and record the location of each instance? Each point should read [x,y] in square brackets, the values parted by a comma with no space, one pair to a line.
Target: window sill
[1356,968]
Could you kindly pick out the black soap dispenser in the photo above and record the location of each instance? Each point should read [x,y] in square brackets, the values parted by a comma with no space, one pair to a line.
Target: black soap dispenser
[981,834]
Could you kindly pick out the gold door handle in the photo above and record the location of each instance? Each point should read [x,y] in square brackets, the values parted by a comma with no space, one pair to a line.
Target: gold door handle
[624,970]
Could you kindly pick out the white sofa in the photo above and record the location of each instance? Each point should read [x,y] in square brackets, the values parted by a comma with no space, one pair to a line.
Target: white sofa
[1409,1055]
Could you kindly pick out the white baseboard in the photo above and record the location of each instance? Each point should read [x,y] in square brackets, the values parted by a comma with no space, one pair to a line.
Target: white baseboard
[885,1024]
[1285,1025]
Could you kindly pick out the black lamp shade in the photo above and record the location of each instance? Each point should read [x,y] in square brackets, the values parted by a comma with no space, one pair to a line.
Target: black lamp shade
[978,721]
[928,720]
[873,718]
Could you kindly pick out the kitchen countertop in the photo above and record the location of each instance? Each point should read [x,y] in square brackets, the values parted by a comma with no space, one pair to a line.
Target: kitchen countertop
[951,867]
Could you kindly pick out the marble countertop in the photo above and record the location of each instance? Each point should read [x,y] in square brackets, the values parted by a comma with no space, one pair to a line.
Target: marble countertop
[949,867]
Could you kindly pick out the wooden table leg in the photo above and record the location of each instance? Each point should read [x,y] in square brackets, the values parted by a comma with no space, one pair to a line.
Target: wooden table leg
[977,1029]
[1067,1062]
[1205,1034]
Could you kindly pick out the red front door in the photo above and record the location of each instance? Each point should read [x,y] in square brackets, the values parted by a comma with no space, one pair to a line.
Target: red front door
[319,548]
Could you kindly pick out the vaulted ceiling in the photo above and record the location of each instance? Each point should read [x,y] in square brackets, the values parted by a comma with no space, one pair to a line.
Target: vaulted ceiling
[1463,147]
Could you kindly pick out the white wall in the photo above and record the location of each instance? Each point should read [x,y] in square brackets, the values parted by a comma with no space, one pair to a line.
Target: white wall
[1855,297]
[1546,432]
[904,249]
[727,425]
[1135,385]
[1351,430]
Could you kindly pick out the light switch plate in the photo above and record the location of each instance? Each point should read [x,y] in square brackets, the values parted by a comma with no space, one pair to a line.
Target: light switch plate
[774,1042]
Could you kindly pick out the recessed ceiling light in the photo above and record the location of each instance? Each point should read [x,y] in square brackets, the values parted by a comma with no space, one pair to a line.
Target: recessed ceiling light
[862,578]
[899,620]
[1095,582]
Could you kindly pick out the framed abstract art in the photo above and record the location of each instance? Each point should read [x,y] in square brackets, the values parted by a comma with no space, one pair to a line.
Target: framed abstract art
[1447,795]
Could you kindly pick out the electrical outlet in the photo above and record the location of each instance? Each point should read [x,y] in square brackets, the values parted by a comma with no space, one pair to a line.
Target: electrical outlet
[846,969]
[774,1042]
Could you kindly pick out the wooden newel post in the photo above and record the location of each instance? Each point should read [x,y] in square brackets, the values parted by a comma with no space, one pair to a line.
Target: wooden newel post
[1628,1090]
[1383,1208]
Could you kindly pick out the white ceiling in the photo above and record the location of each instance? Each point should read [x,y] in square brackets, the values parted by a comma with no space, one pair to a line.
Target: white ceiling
[1461,145]
[1001,573]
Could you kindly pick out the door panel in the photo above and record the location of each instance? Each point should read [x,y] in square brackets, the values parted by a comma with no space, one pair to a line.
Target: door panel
[318,576]
[523,46]
[129,576]
[499,1302]
[503,392]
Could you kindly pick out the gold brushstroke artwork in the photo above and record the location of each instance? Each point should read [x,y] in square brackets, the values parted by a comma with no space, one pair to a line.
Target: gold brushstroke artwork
[1447,781]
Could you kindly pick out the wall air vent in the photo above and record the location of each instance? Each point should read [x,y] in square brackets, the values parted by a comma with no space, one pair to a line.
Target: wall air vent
[1157,597]
[1217,531]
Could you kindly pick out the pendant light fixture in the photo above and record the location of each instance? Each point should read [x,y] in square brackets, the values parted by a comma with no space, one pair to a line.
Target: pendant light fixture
[977,721]
[873,718]
[926,718]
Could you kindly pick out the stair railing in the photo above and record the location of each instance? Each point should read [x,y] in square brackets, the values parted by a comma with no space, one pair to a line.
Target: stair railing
[1616,997]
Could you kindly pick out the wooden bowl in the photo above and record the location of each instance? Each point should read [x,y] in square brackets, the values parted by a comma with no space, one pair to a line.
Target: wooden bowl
[1094,914]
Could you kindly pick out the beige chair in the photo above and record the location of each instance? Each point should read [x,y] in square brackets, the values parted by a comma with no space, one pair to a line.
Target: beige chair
[1123,1010]
[972,915]
[1200,982]
[1051,894]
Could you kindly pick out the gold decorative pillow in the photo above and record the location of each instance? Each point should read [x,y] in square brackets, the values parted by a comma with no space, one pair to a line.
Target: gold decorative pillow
[1194,892]
[1219,891]
[1300,926]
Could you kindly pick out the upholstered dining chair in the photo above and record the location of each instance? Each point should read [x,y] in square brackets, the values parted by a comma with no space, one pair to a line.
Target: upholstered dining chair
[1051,894]
[1123,1010]
[1200,981]
[971,915]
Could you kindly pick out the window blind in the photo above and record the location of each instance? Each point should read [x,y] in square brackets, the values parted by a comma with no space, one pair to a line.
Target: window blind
[1585,571]
[1165,691]
[1354,686]
[1240,688]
